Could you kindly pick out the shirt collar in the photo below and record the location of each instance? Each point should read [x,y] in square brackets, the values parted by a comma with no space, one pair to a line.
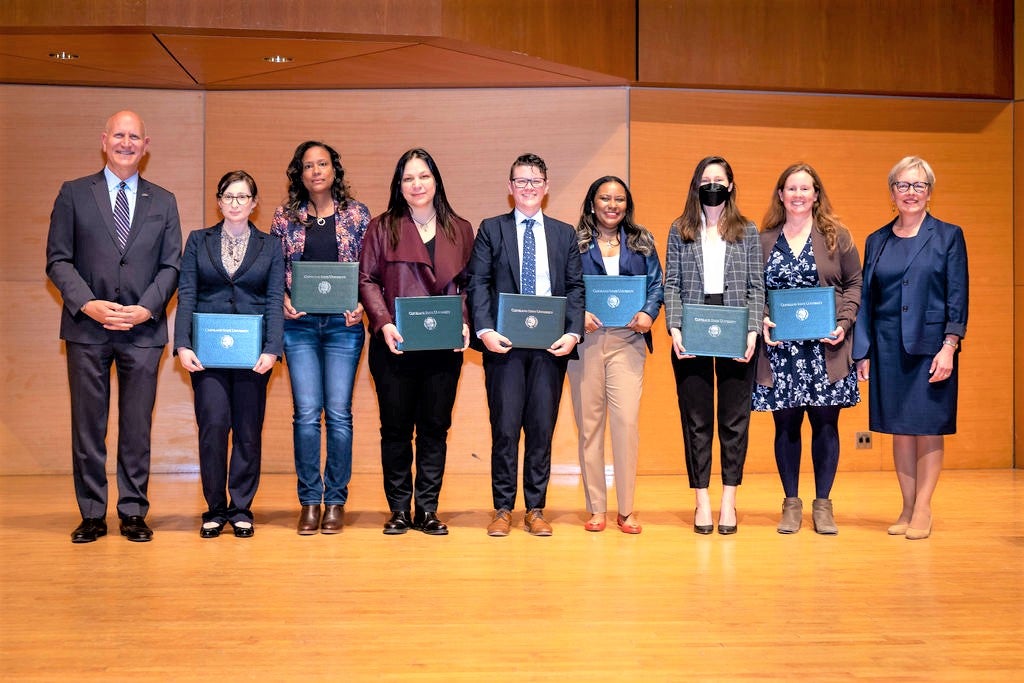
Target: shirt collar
[520,217]
[132,183]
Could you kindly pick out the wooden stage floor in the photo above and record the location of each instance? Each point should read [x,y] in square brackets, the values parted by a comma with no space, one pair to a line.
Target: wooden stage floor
[666,605]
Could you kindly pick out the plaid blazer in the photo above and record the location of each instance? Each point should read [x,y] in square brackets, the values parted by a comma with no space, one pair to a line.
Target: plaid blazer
[744,277]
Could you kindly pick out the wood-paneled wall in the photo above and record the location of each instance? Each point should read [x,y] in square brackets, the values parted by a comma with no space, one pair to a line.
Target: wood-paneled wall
[866,46]
[51,134]
[852,142]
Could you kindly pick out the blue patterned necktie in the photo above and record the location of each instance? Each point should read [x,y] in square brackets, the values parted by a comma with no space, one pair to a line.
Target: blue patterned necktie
[529,274]
[121,220]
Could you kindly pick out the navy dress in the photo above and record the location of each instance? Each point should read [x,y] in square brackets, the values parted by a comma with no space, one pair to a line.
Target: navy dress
[902,401]
[799,375]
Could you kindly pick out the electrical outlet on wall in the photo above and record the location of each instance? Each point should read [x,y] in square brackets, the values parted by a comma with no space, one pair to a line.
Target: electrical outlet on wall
[863,439]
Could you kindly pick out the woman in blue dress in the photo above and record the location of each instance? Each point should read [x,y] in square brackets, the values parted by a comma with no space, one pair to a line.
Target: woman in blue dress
[912,317]
[805,245]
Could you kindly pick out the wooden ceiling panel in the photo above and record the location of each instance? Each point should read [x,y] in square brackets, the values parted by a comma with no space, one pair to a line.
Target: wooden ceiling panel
[115,59]
[213,60]
[415,66]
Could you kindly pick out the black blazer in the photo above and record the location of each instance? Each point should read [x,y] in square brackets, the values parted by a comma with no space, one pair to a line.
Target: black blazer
[85,261]
[256,288]
[494,268]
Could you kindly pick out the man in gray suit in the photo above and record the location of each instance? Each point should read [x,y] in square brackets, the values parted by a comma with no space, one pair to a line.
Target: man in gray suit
[113,251]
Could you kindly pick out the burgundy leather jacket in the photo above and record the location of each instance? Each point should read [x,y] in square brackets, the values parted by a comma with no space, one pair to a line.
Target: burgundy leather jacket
[386,273]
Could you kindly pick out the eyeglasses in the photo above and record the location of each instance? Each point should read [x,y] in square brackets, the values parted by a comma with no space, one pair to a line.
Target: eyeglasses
[523,183]
[241,199]
[919,187]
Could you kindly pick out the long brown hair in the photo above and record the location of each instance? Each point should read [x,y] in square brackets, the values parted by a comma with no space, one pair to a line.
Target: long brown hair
[825,220]
[732,225]
[398,207]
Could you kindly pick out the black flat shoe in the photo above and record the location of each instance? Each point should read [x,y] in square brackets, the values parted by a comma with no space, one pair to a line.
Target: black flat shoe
[134,528]
[89,530]
[243,531]
[398,524]
[702,529]
[210,531]
[430,525]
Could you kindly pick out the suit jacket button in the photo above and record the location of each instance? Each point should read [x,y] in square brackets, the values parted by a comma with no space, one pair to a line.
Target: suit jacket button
[906,308]
[906,282]
[123,262]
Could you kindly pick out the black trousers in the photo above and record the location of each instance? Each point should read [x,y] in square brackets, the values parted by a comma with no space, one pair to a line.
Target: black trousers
[696,381]
[524,388]
[89,380]
[415,391]
[230,401]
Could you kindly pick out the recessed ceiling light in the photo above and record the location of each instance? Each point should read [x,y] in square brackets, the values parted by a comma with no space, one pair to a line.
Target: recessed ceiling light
[63,56]
[277,59]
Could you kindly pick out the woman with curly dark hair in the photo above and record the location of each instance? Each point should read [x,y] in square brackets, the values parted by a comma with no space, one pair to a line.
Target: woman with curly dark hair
[321,222]
[607,380]
[804,244]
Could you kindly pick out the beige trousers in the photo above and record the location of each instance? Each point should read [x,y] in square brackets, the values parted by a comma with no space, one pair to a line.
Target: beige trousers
[606,383]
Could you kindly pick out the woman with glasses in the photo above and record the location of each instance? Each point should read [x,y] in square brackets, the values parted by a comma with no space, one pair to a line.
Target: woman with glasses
[230,268]
[321,222]
[713,257]
[913,314]
[805,245]
[608,378]
[418,247]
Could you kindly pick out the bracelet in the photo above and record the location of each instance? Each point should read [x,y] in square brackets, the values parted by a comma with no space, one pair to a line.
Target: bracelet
[946,342]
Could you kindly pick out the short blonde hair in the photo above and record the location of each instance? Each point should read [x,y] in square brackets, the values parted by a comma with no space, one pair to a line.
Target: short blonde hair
[907,163]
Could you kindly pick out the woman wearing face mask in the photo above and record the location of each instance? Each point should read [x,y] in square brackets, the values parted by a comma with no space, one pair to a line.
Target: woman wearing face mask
[321,222]
[607,379]
[805,245]
[913,314]
[713,257]
[418,247]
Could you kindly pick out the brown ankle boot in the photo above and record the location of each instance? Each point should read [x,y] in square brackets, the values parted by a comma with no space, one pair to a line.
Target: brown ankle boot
[821,513]
[792,516]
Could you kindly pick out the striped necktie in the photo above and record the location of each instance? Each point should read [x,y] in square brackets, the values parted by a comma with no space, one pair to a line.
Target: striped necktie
[529,272]
[121,220]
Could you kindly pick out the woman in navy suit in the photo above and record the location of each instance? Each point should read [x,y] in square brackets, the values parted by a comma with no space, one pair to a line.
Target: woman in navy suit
[231,268]
[713,257]
[912,317]
[608,378]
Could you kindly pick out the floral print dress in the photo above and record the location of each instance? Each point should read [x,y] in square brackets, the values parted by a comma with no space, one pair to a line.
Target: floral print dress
[798,367]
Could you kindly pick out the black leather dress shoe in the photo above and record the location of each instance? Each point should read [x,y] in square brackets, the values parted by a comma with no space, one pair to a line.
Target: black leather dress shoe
[134,529]
[89,530]
[211,531]
[243,529]
[398,524]
[429,524]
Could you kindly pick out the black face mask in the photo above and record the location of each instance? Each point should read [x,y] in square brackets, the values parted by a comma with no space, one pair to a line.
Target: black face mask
[713,194]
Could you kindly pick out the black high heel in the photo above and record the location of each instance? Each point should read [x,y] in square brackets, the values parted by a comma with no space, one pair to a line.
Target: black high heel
[702,529]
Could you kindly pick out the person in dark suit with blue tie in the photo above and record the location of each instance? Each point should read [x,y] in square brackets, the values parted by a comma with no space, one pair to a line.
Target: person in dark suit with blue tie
[113,251]
[523,252]
[231,268]
[913,314]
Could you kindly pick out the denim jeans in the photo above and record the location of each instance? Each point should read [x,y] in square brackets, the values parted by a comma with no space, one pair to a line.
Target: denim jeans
[322,354]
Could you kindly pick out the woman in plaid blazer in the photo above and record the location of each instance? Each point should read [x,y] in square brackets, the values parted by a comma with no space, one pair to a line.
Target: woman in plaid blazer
[713,257]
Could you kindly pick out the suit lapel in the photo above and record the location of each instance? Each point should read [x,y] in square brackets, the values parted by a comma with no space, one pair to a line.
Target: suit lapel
[212,243]
[252,252]
[102,195]
[594,254]
[925,233]
[143,200]
[510,247]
